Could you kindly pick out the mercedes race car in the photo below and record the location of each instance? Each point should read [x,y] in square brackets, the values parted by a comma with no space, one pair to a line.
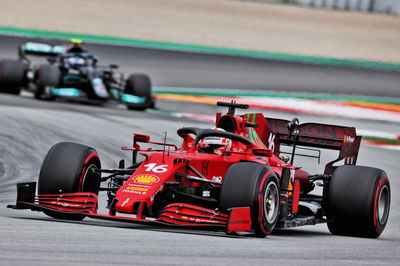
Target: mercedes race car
[235,178]
[71,72]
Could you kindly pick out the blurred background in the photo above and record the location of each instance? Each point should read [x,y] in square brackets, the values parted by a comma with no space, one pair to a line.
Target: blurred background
[380,6]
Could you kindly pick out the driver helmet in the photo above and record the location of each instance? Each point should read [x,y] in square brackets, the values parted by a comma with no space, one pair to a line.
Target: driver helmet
[215,144]
[75,47]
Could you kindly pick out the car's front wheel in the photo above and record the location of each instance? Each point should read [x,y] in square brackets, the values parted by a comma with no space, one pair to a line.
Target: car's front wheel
[138,92]
[68,168]
[47,77]
[256,186]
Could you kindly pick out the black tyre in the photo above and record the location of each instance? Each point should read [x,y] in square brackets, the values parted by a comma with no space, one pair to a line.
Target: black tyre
[11,76]
[47,76]
[358,201]
[256,186]
[67,168]
[139,85]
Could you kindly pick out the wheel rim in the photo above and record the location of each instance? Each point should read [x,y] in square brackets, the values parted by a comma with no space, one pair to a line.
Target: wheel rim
[383,205]
[271,201]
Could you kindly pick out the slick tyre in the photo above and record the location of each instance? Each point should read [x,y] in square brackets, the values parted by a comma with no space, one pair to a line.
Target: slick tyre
[47,76]
[139,85]
[256,186]
[11,76]
[68,168]
[358,201]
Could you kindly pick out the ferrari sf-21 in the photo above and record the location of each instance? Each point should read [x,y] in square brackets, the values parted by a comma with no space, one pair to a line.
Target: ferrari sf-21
[72,73]
[235,178]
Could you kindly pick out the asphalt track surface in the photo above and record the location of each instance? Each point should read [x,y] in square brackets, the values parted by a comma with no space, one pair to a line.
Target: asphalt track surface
[29,128]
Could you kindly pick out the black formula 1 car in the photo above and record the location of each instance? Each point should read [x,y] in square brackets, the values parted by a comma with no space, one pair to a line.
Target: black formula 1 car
[72,73]
[235,178]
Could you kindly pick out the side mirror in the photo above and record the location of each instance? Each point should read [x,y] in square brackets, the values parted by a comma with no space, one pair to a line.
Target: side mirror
[141,138]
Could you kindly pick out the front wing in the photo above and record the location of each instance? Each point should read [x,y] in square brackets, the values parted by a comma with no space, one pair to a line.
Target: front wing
[179,215]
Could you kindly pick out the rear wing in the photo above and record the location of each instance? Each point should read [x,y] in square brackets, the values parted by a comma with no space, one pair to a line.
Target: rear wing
[324,136]
[39,49]
[317,135]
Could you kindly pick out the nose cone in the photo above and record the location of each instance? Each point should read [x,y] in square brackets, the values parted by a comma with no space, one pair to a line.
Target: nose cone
[139,188]
[125,205]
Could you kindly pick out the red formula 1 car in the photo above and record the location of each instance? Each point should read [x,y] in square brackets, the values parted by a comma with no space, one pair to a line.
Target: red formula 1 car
[235,178]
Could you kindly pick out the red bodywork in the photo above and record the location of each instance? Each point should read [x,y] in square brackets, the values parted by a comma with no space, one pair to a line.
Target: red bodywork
[163,169]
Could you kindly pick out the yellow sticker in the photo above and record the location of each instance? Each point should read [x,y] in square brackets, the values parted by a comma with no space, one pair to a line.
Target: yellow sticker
[136,188]
[146,179]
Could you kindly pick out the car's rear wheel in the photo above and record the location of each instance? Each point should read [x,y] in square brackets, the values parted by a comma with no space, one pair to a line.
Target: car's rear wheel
[358,201]
[68,168]
[256,186]
[139,85]
[47,77]
[11,76]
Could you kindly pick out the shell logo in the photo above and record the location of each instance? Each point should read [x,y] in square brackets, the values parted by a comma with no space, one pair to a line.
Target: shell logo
[146,179]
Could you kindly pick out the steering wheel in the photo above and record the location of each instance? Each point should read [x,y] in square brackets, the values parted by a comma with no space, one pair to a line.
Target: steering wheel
[202,133]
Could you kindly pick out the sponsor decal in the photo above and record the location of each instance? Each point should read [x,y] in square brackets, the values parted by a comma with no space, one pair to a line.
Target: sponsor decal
[309,129]
[134,192]
[199,220]
[348,139]
[217,178]
[206,193]
[125,202]
[319,130]
[271,141]
[146,179]
[135,188]
[139,185]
